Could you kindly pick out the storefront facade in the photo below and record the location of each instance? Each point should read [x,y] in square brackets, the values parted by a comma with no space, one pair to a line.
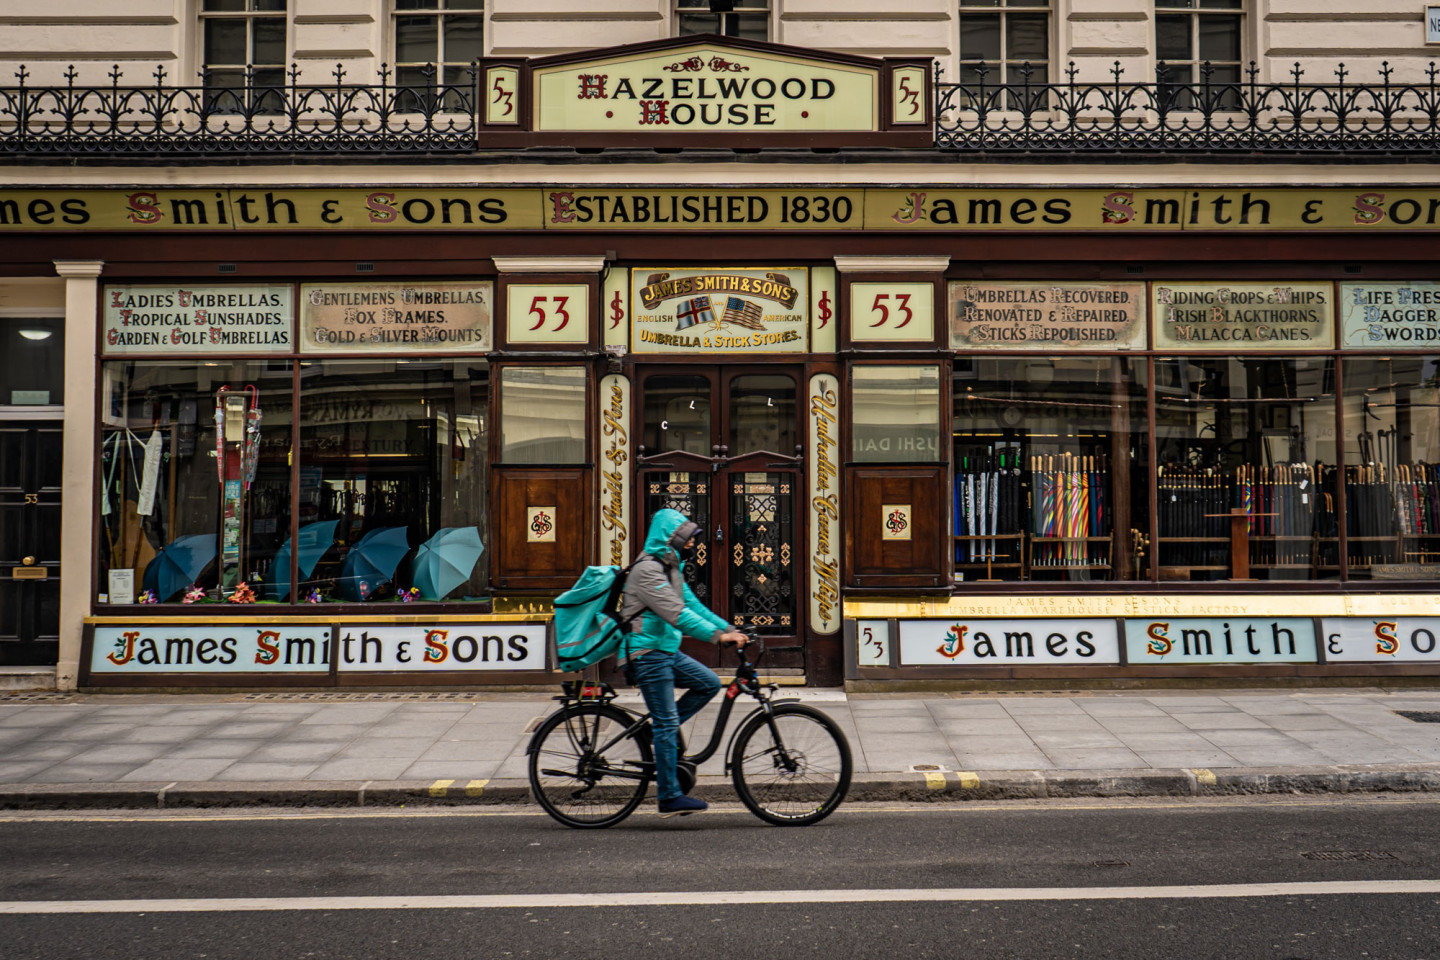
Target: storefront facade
[357,425]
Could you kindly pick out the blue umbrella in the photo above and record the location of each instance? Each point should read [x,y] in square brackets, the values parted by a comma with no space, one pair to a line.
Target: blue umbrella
[372,561]
[445,561]
[178,564]
[314,540]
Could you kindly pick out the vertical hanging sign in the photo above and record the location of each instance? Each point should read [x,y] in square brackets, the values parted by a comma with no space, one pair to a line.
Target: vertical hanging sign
[824,314]
[823,471]
[615,312]
[615,470]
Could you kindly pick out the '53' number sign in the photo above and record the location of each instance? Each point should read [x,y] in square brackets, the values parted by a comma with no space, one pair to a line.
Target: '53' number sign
[547,313]
[892,312]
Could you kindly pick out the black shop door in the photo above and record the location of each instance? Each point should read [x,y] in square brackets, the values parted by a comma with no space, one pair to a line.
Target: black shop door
[30,457]
[719,444]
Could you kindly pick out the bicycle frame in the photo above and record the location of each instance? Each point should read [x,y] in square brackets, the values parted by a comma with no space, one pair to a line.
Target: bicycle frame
[745,681]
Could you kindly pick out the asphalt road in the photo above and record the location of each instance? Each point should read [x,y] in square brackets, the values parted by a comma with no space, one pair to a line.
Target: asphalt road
[1302,878]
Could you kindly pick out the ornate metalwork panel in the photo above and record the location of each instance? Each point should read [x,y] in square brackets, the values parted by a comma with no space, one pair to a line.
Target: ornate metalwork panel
[761,556]
[689,493]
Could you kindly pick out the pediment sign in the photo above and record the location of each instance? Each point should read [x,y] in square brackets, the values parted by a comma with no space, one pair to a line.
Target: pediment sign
[707,91]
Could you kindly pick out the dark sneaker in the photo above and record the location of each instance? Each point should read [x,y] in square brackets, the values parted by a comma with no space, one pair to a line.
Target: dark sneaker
[682,806]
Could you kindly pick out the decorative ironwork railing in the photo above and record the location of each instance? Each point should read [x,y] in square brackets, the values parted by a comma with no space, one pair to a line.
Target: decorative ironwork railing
[1190,113]
[245,118]
[1185,113]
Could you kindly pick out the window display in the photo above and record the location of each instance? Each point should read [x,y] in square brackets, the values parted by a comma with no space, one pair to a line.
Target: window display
[1392,467]
[195,478]
[1253,437]
[1048,453]
[197,496]
[392,495]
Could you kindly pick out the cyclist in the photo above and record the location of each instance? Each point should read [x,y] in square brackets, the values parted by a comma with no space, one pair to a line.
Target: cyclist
[657,587]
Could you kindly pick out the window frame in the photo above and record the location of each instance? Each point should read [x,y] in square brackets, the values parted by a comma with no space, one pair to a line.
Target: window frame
[437,11]
[1195,15]
[204,68]
[769,9]
[1044,71]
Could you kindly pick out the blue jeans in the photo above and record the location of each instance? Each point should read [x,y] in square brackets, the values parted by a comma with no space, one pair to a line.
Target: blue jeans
[657,674]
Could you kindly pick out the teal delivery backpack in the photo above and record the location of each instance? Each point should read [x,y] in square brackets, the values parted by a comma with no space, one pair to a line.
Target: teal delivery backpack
[588,627]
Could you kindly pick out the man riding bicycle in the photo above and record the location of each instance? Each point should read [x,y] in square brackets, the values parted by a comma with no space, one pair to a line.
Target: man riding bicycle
[656,586]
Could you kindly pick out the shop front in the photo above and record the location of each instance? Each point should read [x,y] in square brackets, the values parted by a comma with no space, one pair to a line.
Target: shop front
[938,427]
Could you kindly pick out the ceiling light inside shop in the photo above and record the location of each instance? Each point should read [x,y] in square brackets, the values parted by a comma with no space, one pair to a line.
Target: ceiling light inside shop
[29,334]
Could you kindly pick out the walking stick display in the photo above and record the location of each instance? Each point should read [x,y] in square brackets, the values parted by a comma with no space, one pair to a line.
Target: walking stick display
[988,505]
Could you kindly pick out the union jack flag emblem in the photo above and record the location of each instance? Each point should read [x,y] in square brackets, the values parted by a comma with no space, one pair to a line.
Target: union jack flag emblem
[694,312]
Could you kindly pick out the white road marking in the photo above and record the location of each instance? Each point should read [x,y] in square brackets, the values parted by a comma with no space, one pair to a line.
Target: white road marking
[722,897]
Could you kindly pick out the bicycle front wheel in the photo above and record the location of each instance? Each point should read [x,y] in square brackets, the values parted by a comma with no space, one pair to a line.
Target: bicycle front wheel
[577,778]
[793,767]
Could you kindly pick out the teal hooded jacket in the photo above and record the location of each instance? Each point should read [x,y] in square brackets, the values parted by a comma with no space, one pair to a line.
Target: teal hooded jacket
[657,586]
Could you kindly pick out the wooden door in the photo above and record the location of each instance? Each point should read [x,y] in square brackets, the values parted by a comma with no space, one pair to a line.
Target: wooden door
[721,445]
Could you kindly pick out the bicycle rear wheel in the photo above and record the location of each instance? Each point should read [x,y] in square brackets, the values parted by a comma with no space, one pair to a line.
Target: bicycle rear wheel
[794,772]
[577,782]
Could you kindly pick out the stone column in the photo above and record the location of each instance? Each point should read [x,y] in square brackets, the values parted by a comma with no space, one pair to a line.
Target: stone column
[77,490]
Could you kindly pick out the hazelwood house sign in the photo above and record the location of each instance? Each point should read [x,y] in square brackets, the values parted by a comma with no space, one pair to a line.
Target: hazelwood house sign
[718,90]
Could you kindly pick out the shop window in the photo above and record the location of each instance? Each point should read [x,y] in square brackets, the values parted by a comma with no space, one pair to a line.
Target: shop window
[1392,467]
[749,19]
[392,494]
[1198,42]
[243,54]
[1050,467]
[542,415]
[895,413]
[187,516]
[1254,435]
[1006,42]
[436,44]
[32,361]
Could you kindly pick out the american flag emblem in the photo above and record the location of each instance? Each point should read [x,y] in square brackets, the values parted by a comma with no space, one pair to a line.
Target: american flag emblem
[742,313]
[694,312]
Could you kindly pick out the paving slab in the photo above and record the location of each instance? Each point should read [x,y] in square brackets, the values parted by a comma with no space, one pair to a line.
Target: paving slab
[202,749]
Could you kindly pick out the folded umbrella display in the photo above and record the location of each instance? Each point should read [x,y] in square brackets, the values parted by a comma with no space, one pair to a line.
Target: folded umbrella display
[314,540]
[178,564]
[445,561]
[372,562]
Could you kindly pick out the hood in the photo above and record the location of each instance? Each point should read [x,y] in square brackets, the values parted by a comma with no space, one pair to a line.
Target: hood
[669,529]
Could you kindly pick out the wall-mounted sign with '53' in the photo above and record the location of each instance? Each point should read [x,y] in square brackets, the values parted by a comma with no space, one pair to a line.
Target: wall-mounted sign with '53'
[892,312]
[547,313]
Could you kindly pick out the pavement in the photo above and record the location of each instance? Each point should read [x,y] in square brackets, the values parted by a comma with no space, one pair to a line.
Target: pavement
[61,751]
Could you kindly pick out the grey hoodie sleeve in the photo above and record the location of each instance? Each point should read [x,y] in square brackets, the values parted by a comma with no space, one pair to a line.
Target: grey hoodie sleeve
[648,587]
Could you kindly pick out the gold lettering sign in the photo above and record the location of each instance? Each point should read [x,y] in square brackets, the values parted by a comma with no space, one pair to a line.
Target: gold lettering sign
[823,454]
[923,208]
[705,88]
[721,312]
[738,209]
[1277,315]
[615,471]
[439,317]
[1046,316]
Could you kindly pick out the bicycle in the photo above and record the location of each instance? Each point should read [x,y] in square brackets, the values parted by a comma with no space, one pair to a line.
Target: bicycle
[592,760]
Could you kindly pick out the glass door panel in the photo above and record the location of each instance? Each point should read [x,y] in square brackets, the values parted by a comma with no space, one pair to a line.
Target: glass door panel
[688,492]
[762,414]
[677,415]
